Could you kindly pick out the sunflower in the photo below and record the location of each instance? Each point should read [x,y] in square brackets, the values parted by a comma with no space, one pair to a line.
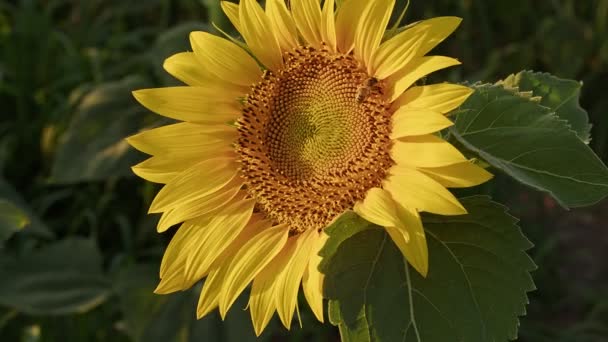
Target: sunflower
[315,113]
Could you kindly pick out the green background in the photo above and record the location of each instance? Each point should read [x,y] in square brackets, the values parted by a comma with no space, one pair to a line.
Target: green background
[87,261]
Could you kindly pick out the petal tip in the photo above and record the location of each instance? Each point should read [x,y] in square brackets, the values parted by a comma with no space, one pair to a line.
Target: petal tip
[162,288]
[423,270]
[139,94]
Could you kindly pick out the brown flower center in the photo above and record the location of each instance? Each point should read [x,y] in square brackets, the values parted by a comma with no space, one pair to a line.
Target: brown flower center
[313,138]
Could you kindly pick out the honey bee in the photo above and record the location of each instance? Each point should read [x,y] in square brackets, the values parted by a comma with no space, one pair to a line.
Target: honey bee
[366,88]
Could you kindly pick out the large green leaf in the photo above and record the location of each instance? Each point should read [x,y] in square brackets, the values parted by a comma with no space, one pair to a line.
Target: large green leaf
[93,148]
[61,278]
[561,95]
[531,144]
[475,290]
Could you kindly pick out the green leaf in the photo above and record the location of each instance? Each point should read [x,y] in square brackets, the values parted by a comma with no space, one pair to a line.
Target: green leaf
[531,144]
[561,95]
[61,278]
[15,213]
[12,219]
[94,146]
[475,290]
[349,224]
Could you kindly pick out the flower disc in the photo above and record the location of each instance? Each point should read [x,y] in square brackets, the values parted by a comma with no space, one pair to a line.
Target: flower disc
[314,137]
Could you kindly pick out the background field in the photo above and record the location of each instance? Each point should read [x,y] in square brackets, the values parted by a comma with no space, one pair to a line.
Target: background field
[88,260]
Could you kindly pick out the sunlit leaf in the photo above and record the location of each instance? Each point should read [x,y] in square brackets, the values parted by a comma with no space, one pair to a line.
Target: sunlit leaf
[531,144]
[475,289]
[560,95]
[62,278]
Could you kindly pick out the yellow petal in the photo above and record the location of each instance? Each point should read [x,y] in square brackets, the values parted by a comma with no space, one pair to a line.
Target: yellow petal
[461,175]
[378,207]
[415,70]
[371,28]
[328,25]
[396,60]
[408,122]
[403,225]
[200,180]
[443,97]
[413,189]
[394,54]
[208,299]
[172,267]
[177,256]
[212,239]
[192,104]
[164,168]
[186,68]
[265,288]
[347,20]
[436,30]
[257,223]
[210,294]
[174,281]
[282,24]
[184,136]
[425,151]
[249,261]
[410,238]
[288,286]
[257,32]
[307,15]
[226,60]
[312,281]
[232,12]
[200,206]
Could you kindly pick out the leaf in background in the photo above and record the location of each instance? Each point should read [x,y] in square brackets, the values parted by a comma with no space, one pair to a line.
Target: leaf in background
[150,317]
[561,95]
[475,290]
[531,144]
[12,219]
[567,54]
[134,287]
[62,278]
[21,211]
[94,147]
[216,14]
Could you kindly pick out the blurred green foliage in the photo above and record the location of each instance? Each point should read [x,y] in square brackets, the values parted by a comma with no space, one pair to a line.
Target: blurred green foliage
[85,265]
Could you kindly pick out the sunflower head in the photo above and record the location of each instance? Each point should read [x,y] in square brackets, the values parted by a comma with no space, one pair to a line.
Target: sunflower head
[315,113]
[313,138]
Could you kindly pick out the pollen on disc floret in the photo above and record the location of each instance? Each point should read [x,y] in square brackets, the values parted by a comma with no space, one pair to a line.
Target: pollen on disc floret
[313,138]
